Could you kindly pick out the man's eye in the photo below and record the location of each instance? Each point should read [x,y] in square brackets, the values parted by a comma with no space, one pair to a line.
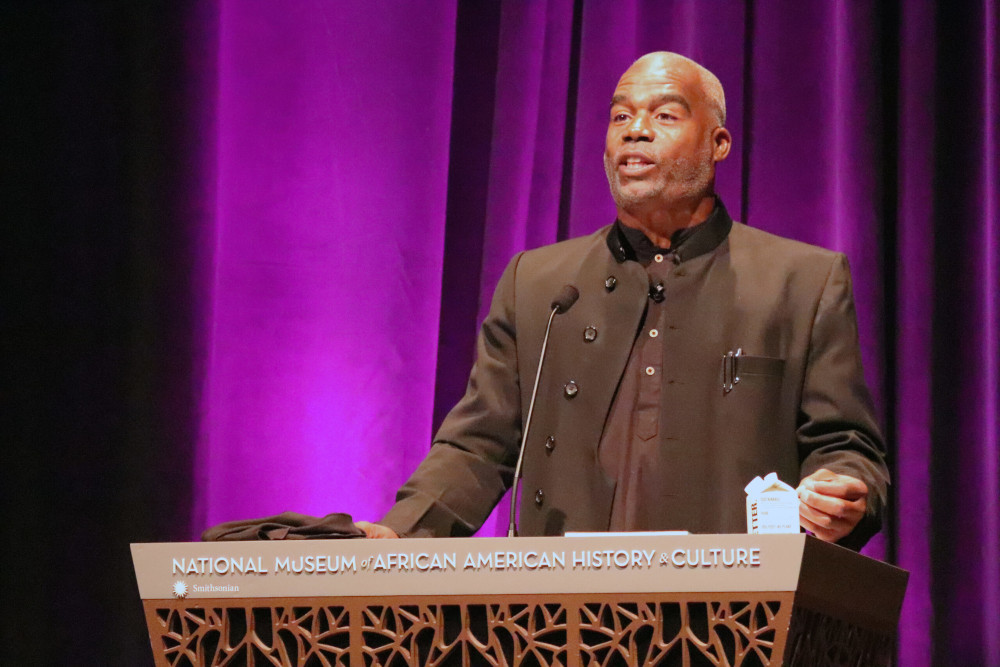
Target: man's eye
[619,117]
[665,116]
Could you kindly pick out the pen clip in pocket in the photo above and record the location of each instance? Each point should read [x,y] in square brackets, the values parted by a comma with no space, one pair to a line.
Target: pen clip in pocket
[731,370]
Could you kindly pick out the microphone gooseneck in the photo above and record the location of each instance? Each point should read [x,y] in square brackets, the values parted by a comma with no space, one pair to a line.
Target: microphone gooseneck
[564,301]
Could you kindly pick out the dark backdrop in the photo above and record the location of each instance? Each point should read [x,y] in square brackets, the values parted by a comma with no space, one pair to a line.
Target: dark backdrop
[100,350]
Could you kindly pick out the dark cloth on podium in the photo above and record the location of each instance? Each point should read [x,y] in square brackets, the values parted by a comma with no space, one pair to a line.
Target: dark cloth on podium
[286,526]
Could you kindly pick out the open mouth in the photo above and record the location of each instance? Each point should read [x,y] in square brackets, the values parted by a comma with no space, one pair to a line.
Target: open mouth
[634,164]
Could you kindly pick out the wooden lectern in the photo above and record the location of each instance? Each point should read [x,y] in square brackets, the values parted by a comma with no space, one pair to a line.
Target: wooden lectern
[635,599]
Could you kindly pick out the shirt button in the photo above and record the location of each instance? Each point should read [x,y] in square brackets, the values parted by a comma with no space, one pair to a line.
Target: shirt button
[610,283]
[658,258]
[571,389]
[550,443]
[539,497]
[653,333]
[650,370]
[589,334]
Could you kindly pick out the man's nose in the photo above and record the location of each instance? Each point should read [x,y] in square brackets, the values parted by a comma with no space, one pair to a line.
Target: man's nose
[639,129]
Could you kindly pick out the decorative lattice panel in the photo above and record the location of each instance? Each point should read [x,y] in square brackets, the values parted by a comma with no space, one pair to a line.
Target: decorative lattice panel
[557,631]
[818,640]
[686,634]
[440,635]
[253,636]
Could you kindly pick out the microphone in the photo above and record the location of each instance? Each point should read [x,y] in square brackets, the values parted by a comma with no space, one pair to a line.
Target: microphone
[564,301]
[656,292]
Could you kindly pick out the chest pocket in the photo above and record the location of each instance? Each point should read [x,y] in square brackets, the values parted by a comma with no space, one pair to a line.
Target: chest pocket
[751,388]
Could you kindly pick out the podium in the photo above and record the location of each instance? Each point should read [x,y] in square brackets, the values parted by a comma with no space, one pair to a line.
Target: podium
[634,599]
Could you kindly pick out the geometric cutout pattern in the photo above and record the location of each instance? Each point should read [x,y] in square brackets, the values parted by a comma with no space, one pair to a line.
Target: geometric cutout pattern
[818,640]
[441,635]
[693,631]
[688,634]
[235,636]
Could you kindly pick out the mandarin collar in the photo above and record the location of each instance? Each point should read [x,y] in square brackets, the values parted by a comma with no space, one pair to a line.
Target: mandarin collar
[685,244]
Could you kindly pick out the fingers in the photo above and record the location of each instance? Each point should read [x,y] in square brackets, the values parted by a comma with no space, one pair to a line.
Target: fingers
[833,484]
[824,533]
[831,504]
[376,530]
[844,487]
[828,511]
[826,527]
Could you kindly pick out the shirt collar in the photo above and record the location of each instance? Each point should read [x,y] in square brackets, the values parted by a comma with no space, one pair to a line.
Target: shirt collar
[628,243]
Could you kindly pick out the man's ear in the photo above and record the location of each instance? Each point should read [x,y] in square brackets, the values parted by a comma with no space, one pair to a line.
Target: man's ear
[722,141]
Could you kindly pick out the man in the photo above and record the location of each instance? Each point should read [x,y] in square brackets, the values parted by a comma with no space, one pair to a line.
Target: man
[700,354]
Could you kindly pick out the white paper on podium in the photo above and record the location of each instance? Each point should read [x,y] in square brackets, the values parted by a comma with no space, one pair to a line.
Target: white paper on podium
[631,533]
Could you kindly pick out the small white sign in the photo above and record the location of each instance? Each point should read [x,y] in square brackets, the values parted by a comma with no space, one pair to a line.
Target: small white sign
[772,506]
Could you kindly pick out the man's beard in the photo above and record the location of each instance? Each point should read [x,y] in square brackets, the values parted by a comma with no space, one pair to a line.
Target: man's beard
[687,179]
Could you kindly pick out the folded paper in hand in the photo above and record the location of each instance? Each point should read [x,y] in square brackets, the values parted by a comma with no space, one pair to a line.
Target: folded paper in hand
[772,506]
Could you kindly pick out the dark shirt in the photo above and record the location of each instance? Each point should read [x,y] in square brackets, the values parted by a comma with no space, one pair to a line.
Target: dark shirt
[633,441]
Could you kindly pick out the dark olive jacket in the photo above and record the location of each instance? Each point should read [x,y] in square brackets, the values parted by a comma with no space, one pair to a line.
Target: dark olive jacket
[801,402]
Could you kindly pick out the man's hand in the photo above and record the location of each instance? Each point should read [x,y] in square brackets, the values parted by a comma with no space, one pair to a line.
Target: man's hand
[376,530]
[831,505]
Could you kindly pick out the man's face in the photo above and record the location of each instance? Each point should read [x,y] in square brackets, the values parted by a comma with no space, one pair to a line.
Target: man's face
[660,148]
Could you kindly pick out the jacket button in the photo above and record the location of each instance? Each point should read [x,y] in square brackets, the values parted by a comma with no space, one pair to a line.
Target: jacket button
[550,443]
[539,497]
[610,283]
[571,389]
[589,334]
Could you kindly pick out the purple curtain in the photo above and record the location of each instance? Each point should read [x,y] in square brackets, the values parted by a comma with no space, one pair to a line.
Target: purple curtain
[332,163]
[377,164]
[946,331]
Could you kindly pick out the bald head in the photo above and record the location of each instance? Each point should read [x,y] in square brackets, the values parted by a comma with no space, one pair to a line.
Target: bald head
[709,83]
[666,133]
